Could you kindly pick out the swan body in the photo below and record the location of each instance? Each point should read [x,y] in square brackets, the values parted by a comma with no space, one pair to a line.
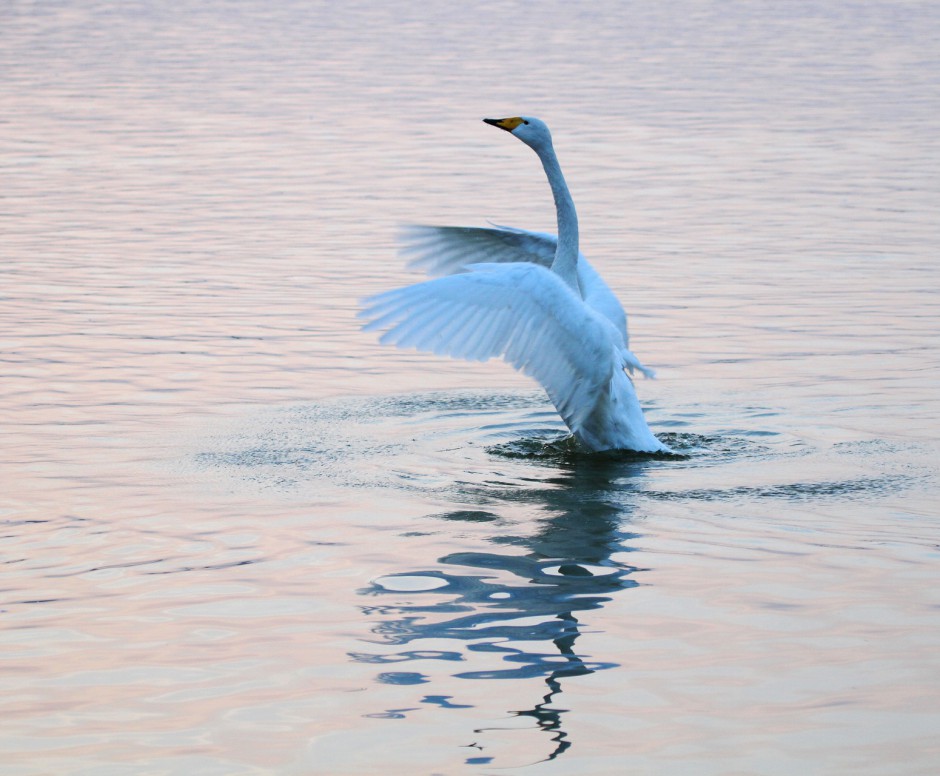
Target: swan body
[446,250]
[532,299]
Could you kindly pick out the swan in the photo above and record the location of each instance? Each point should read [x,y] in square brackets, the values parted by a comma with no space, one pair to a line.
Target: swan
[530,298]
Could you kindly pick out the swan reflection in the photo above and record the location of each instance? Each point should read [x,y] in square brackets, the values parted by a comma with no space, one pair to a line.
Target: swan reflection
[521,607]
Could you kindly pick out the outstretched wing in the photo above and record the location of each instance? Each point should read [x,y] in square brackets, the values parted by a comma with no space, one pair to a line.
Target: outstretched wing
[520,312]
[447,250]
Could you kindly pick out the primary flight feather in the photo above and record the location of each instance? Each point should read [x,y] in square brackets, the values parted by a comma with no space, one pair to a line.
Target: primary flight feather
[531,299]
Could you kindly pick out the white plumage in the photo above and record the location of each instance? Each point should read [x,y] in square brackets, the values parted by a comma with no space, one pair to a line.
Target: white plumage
[531,299]
[446,250]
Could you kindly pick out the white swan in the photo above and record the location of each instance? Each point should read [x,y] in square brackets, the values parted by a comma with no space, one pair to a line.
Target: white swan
[531,299]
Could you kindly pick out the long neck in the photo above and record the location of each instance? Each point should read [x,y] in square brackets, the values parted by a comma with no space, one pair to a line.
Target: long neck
[566,252]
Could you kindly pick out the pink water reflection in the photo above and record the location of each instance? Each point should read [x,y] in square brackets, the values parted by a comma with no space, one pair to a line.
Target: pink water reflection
[205,462]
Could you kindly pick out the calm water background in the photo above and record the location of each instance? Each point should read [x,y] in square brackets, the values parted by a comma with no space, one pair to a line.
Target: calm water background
[240,537]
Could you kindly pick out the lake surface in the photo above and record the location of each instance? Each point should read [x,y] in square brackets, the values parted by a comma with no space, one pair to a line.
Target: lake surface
[240,537]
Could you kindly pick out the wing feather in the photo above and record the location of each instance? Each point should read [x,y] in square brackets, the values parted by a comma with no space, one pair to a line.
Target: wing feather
[520,312]
[448,250]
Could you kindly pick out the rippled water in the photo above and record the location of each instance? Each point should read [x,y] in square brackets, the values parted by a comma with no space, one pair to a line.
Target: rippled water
[240,537]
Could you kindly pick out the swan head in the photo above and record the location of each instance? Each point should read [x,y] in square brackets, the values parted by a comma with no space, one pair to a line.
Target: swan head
[531,131]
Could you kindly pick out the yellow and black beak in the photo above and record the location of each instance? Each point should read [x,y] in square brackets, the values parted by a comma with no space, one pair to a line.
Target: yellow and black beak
[508,124]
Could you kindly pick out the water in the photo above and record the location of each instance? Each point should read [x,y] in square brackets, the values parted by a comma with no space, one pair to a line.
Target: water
[240,537]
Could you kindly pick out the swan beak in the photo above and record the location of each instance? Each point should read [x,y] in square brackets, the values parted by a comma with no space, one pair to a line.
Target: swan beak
[508,124]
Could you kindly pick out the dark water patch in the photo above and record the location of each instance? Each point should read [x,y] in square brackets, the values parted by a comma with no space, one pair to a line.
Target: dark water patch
[52,600]
[914,459]
[391,713]
[112,566]
[550,448]
[563,449]
[457,402]
[521,608]
[446,443]
[401,678]
[468,516]
[207,567]
[412,654]
[273,463]
[444,701]
[795,491]
[15,523]
[713,446]
[503,598]
[360,442]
